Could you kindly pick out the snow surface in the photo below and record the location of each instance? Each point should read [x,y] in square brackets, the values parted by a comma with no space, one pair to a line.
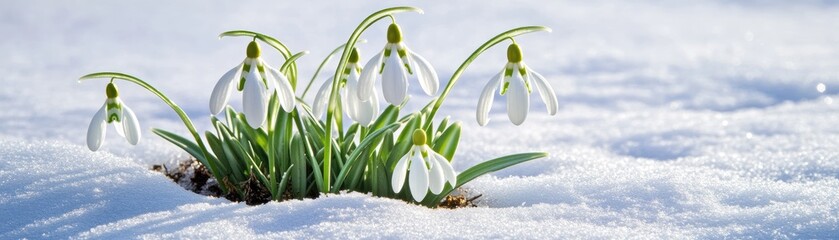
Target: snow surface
[678,119]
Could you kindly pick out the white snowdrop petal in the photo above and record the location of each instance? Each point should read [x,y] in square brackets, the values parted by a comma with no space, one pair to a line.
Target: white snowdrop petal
[366,112]
[131,125]
[518,101]
[322,98]
[448,171]
[487,96]
[284,90]
[394,80]
[223,89]
[418,177]
[399,172]
[545,91]
[374,104]
[352,104]
[96,130]
[368,77]
[428,79]
[118,126]
[253,100]
[120,115]
[436,180]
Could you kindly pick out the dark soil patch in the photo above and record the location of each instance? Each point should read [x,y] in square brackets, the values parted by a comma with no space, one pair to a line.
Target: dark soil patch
[193,176]
[461,200]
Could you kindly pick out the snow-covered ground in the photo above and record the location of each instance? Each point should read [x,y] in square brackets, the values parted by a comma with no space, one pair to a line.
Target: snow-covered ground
[677,120]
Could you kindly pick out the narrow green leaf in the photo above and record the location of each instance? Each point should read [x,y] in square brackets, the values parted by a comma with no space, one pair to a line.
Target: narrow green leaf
[388,116]
[373,137]
[284,181]
[218,150]
[481,169]
[446,144]
[298,173]
[183,143]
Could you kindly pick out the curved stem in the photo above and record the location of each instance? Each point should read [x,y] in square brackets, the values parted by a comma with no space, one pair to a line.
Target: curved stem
[291,60]
[373,18]
[491,42]
[175,107]
[322,64]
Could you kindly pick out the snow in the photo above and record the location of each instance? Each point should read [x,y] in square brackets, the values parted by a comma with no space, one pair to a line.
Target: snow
[710,119]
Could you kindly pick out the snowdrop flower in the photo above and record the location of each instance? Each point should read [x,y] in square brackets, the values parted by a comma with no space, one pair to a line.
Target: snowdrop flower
[254,78]
[361,111]
[429,170]
[116,112]
[516,80]
[394,64]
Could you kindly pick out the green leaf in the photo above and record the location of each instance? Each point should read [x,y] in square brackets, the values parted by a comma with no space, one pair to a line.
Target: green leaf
[356,175]
[446,144]
[183,143]
[298,172]
[388,116]
[443,125]
[381,187]
[235,159]
[481,169]
[495,165]
[284,181]
[308,145]
[218,150]
[370,139]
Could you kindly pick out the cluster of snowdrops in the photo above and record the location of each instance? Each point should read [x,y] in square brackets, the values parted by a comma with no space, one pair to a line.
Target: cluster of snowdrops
[294,151]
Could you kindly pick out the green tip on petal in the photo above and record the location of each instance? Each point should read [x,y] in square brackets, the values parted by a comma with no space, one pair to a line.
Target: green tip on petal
[354,55]
[253,50]
[419,137]
[111,90]
[394,34]
[514,53]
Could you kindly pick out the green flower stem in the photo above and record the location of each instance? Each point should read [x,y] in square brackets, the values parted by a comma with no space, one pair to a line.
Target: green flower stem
[373,18]
[492,42]
[175,107]
[322,64]
[273,42]
[291,61]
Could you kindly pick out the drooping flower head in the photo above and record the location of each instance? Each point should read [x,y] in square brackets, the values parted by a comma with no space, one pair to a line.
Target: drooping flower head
[428,169]
[255,78]
[394,63]
[361,111]
[114,112]
[517,81]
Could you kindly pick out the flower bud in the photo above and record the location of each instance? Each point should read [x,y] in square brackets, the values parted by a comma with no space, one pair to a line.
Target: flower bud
[419,137]
[514,53]
[111,91]
[253,50]
[394,34]
[354,55]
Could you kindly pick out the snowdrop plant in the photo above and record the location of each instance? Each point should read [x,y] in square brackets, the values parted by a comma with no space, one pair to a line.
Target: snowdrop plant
[114,112]
[282,145]
[517,81]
